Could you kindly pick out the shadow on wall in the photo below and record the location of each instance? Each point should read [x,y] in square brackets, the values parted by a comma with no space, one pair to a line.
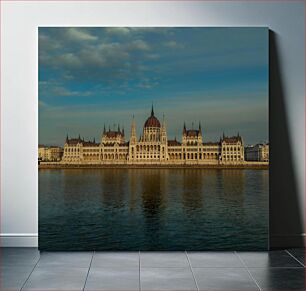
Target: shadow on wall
[285,217]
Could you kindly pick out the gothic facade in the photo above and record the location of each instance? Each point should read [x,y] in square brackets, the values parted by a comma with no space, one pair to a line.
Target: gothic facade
[153,147]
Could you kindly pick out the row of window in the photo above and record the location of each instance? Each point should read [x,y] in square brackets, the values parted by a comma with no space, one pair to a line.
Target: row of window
[230,149]
[148,147]
[231,157]
[194,156]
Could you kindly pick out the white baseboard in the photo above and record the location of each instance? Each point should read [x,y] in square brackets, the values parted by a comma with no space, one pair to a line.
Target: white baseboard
[19,240]
[31,240]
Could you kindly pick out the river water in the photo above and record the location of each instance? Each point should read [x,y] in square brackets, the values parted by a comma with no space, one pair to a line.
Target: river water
[153,209]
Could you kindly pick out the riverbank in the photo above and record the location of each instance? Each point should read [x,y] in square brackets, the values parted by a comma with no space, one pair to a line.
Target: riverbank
[247,165]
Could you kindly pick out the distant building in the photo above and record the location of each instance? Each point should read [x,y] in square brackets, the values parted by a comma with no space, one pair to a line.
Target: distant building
[258,152]
[153,147]
[50,153]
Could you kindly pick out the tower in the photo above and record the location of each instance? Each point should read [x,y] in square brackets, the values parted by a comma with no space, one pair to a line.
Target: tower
[133,138]
[200,137]
[163,133]
[184,135]
[164,141]
[133,141]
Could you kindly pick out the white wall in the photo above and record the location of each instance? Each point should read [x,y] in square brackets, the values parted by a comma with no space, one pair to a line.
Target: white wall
[19,110]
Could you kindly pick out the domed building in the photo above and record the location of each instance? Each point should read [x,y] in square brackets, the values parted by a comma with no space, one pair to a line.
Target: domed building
[152,145]
[151,129]
[154,148]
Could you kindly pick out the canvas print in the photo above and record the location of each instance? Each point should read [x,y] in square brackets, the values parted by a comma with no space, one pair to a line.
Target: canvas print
[153,138]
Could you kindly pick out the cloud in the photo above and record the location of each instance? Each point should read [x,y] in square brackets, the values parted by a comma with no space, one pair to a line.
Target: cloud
[117,30]
[139,45]
[173,45]
[61,91]
[57,89]
[47,44]
[105,61]
[123,69]
[79,34]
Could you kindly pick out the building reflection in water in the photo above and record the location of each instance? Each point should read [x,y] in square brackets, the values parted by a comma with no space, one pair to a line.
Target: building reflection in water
[153,209]
[153,198]
[113,184]
[232,185]
[193,192]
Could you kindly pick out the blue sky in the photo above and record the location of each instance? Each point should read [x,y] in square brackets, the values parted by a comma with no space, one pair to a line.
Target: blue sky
[89,77]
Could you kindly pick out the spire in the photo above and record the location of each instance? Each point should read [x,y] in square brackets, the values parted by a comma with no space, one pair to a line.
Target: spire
[223,135]
[184,128]
[200,126]
[123,130]
[79,136]
[104,129]
[238,134]
[152,110]
[109,128]
[67,138]
[94,140]
[118,127]
[192,125]
[164,122]
[133,131]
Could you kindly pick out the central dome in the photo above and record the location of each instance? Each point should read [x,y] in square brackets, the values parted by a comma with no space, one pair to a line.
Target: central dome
[152,121]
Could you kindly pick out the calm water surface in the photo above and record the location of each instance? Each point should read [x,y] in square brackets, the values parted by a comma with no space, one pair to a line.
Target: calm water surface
[153,209]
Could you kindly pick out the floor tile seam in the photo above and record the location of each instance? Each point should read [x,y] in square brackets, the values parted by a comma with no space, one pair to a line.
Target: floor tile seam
[275,268]
[210,252]
[115,268]
[248,267]
[193,275]
[288,252]
[165,267]
[92,255]
[249,272]
[27,279]
[64,266]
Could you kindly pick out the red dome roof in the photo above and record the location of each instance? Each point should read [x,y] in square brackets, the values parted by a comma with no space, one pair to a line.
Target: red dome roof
[152,121]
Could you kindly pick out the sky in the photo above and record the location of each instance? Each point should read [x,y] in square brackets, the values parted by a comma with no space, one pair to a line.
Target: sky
[91,76]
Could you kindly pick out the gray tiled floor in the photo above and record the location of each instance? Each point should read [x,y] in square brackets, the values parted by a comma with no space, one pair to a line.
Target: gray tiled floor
[27,269]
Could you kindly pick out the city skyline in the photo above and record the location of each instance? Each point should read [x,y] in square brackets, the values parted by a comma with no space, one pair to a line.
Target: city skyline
[89,77]
[121,128]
